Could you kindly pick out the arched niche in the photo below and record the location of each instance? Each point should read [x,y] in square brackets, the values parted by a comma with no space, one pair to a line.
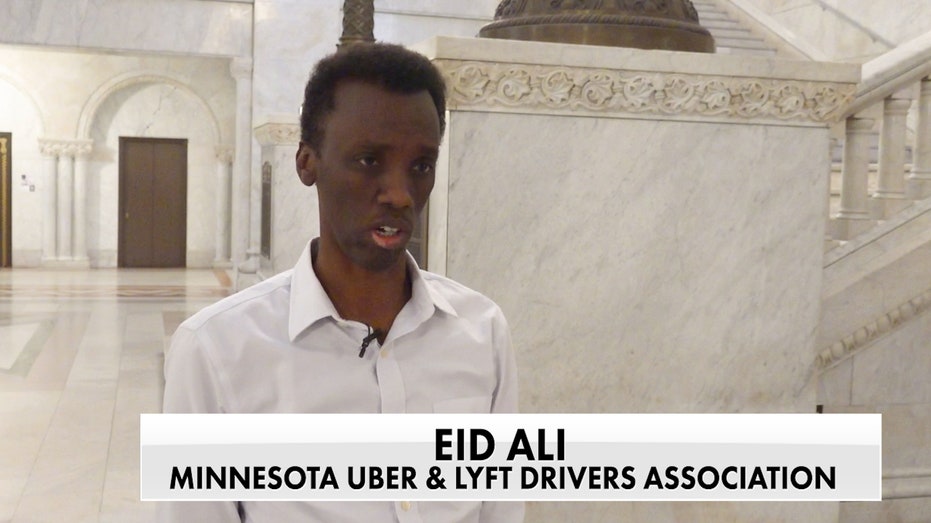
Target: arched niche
[149,106]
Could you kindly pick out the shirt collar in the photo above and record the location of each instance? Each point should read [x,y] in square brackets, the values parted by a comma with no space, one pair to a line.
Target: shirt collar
[309,302]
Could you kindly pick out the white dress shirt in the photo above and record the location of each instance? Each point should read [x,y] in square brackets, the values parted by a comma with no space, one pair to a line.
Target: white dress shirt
[281,347]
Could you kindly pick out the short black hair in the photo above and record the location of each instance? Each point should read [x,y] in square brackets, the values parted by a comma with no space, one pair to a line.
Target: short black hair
[389,66]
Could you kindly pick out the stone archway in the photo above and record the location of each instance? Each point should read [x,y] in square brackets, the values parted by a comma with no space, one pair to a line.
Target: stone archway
[149,105]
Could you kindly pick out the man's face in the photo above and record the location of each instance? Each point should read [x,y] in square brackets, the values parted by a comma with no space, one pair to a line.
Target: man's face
[374,171]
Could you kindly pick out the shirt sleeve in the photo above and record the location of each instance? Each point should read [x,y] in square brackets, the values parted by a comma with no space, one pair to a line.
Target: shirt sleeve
[505,401]
[192,383]
[192,386]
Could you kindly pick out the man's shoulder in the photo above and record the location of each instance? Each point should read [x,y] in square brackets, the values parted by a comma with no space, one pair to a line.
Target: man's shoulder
[463,299]
[274,291]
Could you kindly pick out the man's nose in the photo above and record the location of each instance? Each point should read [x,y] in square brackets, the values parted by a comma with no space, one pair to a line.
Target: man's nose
[396,189]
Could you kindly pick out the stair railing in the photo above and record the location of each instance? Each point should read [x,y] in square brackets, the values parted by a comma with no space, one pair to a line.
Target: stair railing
[892,78]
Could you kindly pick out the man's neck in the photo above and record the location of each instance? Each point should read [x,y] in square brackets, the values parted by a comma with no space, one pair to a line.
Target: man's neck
[373,298]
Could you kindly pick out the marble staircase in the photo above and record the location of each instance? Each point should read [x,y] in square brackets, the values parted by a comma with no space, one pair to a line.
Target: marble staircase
[876,302]
[731,35]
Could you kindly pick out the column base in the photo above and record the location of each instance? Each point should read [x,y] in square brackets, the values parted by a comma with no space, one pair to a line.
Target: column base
[884,206]
[247,272]
[846,228]
[918,186]
[830,243]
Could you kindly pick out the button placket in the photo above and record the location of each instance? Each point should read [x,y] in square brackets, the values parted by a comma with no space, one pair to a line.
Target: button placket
[407,512]
[390,383]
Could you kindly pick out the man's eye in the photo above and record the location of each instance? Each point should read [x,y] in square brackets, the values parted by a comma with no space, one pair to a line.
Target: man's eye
[424,167]
[367,161]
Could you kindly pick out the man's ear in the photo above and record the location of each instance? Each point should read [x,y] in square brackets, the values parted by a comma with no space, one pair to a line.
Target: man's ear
[306,163]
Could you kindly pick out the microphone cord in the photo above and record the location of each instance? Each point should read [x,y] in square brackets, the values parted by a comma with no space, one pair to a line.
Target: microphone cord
[373,333]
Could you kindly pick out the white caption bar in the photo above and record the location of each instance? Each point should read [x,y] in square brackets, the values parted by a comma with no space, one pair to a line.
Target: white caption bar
[422,457]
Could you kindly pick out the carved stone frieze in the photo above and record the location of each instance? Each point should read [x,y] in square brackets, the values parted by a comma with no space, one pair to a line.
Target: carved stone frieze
[865,335]
[278,134]
[560,90]
[73,148]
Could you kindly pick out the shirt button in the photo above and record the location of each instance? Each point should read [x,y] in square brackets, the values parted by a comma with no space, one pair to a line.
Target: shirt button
[405,505]
[384,353]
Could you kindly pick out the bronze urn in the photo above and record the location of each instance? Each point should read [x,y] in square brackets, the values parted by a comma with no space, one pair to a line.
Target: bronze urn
[646,24]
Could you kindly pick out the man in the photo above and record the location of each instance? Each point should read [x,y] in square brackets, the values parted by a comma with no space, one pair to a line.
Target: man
[355,326]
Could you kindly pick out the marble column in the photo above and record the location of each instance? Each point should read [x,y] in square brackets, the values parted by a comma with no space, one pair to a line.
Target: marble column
[889,197]
[919,180]
[853,216]
[222,233]
[241,70]
[49,199]
[79,247]
[65,203]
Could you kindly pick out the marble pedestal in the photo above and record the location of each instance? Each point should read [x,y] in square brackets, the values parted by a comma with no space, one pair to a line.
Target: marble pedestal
[652,225]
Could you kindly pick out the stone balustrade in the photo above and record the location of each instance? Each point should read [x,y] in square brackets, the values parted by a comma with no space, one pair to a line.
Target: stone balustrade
[892,81]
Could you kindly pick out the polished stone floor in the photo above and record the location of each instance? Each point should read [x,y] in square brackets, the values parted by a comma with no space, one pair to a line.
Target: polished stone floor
[81,357]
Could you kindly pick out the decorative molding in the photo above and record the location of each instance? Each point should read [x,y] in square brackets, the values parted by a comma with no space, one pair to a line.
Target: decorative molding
[613,93]
[278,134]
[843,349]
[73,148]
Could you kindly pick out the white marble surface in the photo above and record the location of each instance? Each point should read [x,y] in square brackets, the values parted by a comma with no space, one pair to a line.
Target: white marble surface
[294,210]
[895,511]
[296,214]
[650,266]
[23,119]
[876,273]
[286,51]
[894,369]
[438,210]
[405,29]
[889,377]
[69,438]
[203,27]
[895,21]
[831,34]
[15,337]
[476,9]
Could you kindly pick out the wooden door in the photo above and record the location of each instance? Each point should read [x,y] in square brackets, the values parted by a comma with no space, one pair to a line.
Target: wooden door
[6,199]
[153,202]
